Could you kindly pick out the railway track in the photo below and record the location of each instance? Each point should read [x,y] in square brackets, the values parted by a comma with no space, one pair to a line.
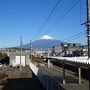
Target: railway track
[70,70]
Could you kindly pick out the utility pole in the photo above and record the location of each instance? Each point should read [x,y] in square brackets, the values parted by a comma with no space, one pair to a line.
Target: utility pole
[88,27]
[20,52]
[88,33]
[30,50]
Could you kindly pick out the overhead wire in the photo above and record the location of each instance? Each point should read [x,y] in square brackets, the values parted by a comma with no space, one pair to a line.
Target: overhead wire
[76,37]
[66,11]
[48,17]
[55,12]
[73,5]
[67,40]
[73,37]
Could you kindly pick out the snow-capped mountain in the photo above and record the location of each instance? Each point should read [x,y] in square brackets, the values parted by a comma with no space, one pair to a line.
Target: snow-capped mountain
[46,37]
[44,42]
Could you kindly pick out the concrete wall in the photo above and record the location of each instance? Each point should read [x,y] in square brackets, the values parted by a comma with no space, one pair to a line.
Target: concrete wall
[46,81]
[23,60]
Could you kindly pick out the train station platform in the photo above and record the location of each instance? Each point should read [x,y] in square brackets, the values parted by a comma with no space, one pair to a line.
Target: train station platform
[53,79]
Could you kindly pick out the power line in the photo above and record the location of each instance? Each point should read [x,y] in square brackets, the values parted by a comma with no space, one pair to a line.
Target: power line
[76,37]
[70,38]
[61,4]
[73,5]
[68,11]
[73,37]
[58,20]
[48,17]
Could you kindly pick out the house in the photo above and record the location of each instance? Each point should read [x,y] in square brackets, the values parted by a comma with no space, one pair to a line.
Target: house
[67,49]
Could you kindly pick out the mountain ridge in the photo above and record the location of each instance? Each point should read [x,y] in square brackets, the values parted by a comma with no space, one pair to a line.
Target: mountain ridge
[43,43]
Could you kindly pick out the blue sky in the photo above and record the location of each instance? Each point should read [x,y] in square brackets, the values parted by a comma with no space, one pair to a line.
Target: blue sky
[25,17]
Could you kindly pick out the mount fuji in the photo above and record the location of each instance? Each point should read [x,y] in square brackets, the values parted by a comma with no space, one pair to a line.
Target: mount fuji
[44,42]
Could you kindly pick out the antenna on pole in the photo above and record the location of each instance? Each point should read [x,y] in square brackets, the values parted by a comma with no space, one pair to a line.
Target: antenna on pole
[20,52]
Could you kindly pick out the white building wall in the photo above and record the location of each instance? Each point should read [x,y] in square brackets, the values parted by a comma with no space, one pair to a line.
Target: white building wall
[15,60]
[23,60]
[12,60]
[27,60]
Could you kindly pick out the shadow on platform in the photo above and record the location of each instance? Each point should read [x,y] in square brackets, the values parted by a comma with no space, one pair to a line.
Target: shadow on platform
[23,84]
[29,84]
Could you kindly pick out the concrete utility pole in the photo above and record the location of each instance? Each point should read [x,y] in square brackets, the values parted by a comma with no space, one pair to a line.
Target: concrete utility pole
[88,33]
[20,52]
[30,50]
[63,66]
[88,27]
[79,74]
